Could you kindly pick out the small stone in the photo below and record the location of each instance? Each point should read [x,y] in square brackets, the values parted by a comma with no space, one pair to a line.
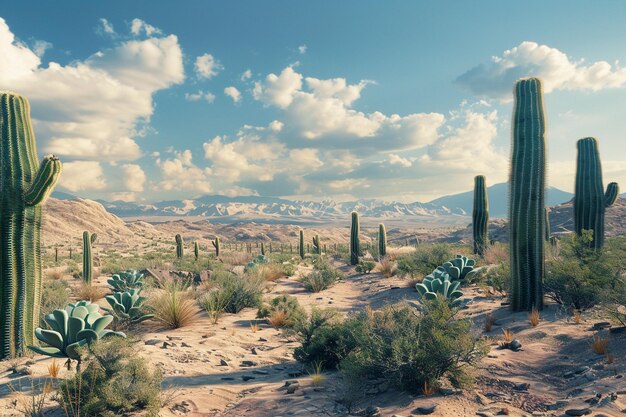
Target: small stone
[292,388]
[590,376]
[253,350]
[601,325]
[447,391]
[247,377]
[260,372]
[262,339]
[515,345]
[174,338]
[152,342]
[223,362]
[578,411]
[248,363]
[522,387]
[426,409]
[185,345]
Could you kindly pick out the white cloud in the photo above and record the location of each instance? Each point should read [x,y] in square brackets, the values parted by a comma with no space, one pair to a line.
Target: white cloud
[82,175]
[207,66]
[180,174]
[134,178]
[233,93]
[105,27]
[247,74]
[40,47]
[137,26]
[278,90]
[398,160]
[123,196]
[306,158]
[302,49]
[200,95]
[497,77]
[92,109]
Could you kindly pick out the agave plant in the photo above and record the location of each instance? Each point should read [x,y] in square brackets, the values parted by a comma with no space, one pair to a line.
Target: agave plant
[126,281]
[439,284]
[260,259]
[459,268]
[127,306]
[75,326]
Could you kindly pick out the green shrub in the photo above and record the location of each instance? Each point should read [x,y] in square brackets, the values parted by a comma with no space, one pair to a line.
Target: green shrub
[498,277]
[55,296]
[365,267]
[233,292]
[115,381]
[424,260]
[319,280]
[286,304]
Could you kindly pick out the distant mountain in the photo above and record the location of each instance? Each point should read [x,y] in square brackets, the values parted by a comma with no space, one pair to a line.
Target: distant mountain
[498,200]
[60,195]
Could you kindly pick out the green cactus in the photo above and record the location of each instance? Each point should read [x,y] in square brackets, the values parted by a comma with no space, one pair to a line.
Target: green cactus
[301,248]
[317,248]
[77,325]
[527,197]
[480,215]
[547,228]
[180,249]
[262,249]
[88,240]
[126,281]
[127,307]
[439,284]
[590,200]
[355,246]
[24,186]
[216,245]
[196,249]
[382,241]
[460,268]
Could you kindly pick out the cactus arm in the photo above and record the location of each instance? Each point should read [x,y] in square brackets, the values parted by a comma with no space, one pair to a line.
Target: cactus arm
[44,182]
[612,192]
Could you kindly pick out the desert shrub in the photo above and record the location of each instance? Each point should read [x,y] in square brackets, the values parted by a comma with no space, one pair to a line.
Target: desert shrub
[498,277]
[234,292]
[269,272]
[424,259]
[90,292]
[495,254]
[365,267]
[387,267]
[284,306]
[319,280]
[410,349]
[115,381]
[288,269]
[55,295]
[174,307]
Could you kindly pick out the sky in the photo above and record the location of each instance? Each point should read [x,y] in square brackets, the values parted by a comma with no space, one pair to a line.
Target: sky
[398,100]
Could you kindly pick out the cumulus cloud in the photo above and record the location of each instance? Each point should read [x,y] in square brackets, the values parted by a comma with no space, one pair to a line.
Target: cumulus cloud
[233,93]
[134,177]
[105,28]
[82,175]
[180,174]
[138,26]
[559,72]
[398,160]
[247,74]
[200,95]
[323,111]
[92,109]
[207,66]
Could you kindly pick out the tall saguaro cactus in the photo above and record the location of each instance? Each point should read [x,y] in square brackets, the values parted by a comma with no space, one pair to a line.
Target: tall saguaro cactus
[196,249]
[317,248]
[355,246]
[480,215]
[301,247]
[527,196]
[88,240]
[216,245]
[382,241]
[547,229]
[590,200]
[179,246]
[24,186]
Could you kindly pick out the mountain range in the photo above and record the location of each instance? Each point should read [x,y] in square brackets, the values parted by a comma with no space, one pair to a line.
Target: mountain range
[255,207]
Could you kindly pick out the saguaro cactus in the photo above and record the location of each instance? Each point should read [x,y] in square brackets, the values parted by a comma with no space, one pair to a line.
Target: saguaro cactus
[480,215]
[196,249]
[179,246]
[262,249]
[88,240]
[547,230]
[527,196]
[382,240]
[24,186]
[355,247]
[317,248]
[216,245]
[590,200]
[301,247]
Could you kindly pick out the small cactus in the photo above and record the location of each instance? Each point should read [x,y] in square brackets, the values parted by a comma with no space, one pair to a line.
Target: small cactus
[196,249]
[480,215]
[88,241]
[179,246]
[216,245]
[382,241]
[301,247]
[317,248]
[355,247]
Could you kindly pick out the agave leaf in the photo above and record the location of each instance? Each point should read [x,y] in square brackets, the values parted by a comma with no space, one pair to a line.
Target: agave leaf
[60,321]
[88,335]
[75,325]
[81,312]
[48,351]
[72,350]
[101,323]
[50,337]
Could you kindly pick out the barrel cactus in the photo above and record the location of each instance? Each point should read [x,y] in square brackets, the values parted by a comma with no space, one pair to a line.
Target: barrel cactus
[590,199]
[126,281]
[355,247]
[88,240]
[301,247]
[25,184]
[480,215]
[382,241]
[179,246]
[75,326]
[527,196]
[216,245]
[317,248]
[127,307]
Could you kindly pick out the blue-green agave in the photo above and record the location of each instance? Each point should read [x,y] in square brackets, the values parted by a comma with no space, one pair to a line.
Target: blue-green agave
[459,268]
[439,284]
[127,306]
[126,281]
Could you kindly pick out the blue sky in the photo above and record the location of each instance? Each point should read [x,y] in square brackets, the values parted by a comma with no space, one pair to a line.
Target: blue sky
[401,100]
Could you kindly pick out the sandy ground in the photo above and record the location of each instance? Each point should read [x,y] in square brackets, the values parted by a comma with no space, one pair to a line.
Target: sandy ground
[231,369]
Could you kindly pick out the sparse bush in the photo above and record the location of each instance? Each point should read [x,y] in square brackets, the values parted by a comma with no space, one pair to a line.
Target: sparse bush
[387,267]
[282,311]
[115,381]
[55,295]
[497,277]
[233,292]
[323,339]
[174,307]
[319,280]
[424,259]
[90,292]
[365,267]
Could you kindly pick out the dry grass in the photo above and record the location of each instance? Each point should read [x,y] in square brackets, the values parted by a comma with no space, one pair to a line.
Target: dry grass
[317,377]
[610,358]
[429,389]
[600,345]
[533,317]
[232,331]
[54,274]
[236,258]
[175,308]
[54,368]
[577,317]
[278,319]
[507,335]
[254,327]
[90,292]
[490,320]
[495,254]
[387,267]
[270,272]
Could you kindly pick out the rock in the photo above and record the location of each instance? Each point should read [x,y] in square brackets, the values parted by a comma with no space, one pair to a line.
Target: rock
[185,345]
[426,409]
[292,388]
[292,382]
[447,391]
[253,350]
[578,371]
[152,342]
[223,362]
[601,325]
[260,372]
[247,377]
[174,338]
[522,387]
[590,376]
[617,330]
[372,411]
[557,405]
[248,364]
[262,339]
[515,345]
[577,411]
[165,345]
